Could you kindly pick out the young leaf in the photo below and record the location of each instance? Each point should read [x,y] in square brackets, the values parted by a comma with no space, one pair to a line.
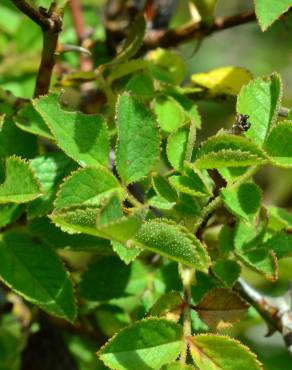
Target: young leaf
[146,344]
[126,254]
[278,144]
[227,271]
[34,271]
[260,99]
[244,202]
[88,187]
[170,114]
[28,119]
[167,66]
[279,219]
[228,151]
[176,147]
[220,308]
[268,11]
[220,352]
[224,80]
[12,190]
[82,137]
[138,143]
[49,170]
[173,242]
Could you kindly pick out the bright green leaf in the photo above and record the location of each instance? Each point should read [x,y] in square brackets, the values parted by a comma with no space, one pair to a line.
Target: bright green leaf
[12,190]
[82,137]
[169,112]
[268,11]
[126,254]
[171,301]
[176,147]
[278,144]
[245,201]
[138,143]
[260,99]
[212,352]
[174,242]
[146,344]
[87,187]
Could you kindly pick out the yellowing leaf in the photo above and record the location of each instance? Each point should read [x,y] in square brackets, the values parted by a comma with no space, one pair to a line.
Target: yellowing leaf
[224,80]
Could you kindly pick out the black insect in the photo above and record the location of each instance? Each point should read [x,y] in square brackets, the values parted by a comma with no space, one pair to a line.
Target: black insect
[241,124]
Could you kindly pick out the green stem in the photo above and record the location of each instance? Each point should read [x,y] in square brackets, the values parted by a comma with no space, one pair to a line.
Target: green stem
[216,202]
[187,275]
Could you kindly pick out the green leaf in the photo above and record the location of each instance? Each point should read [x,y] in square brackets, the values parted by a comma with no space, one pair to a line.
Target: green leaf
[88,187]
[174,242]
[12,190]
[177,366]
[9,213]
[106,221]
[13,141]
[224,80]
[262,261]
[231,174]
[226,240]
[244,202]
[123,69]
[34,271]
[220,308]
[281,244]
[160,203]
[134,40]
[163,188]
[146,344]
[206,9]
[176,147]
[82,137]
[228,151]
[138,143]
[28,119]
[171,301]
[109,278]
[170,114]
[278,144]
[142,85]
[261,100]
[49,169]
[43,229]
[268,11]
[220,352]
[126,254]
[193,183]
[279,218]
[227,271]
[167,66]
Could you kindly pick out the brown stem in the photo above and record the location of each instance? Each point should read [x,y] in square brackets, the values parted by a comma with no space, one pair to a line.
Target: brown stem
[51,24]
[198,30]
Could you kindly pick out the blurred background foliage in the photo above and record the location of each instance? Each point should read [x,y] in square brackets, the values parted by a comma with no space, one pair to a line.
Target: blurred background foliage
[245,46]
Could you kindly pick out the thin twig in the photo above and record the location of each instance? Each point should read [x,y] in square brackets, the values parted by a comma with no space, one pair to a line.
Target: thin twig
[276,311]
[50,23]
[192,31]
